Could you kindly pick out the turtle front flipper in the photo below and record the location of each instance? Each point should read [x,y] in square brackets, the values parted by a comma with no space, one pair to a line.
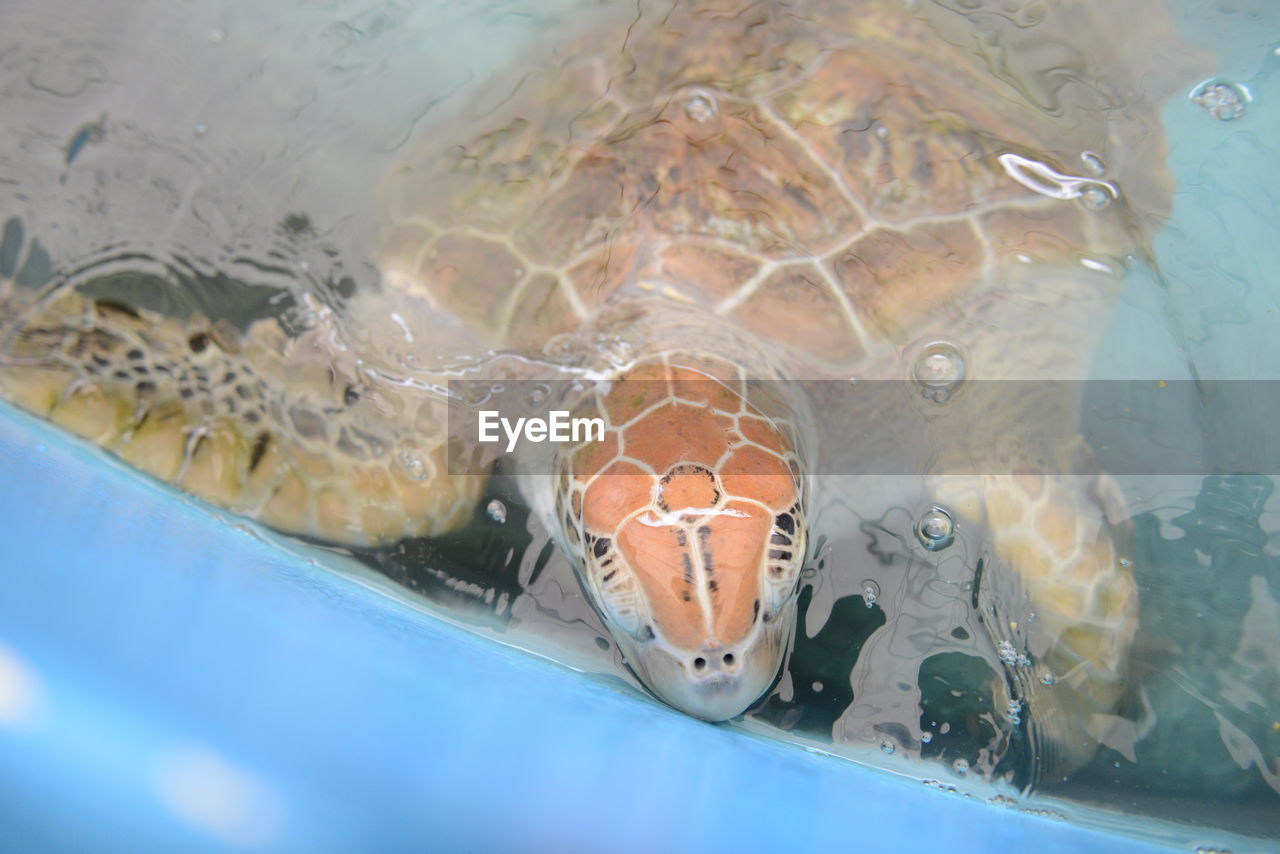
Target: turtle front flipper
[1059,601]
[270,426]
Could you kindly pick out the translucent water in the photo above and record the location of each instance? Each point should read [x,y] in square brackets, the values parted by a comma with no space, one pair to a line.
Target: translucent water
[243,188]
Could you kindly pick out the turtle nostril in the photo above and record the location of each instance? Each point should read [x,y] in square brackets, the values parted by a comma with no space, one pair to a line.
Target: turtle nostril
[728,659]
[699,663]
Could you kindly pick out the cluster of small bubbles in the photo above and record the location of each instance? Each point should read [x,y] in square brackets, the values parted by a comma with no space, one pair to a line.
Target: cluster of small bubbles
[413,463]
[1095,197]
[1007,652]
[700,107]
[936,529]
[1125,562]
[960,766]
[497,511]
[926,737]
[1205,849]
[1224,101]
[1093,163]
[938,370]
[1047,678]
[1013,710]
[870,592]
[886,747]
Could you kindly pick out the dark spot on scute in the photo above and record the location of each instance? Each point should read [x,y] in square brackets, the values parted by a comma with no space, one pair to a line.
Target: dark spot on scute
[755,609]
[243,392]
[602,546]
[780,540]
[350,396]
[766,618]
[648,633]
[786,522]
[307,423]
[779,554]
[252,417]
[122,375]
[229,377]
[260,443]
[135,354]
[608,576]
[99,360]
[233,405]
[145,387]
[198,342]
[141,370]
[185,393]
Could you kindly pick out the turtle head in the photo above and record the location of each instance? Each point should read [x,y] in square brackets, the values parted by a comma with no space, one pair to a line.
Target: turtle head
[701,599]
[692,564]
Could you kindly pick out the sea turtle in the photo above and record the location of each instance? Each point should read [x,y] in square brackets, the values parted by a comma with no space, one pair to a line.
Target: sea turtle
[693,199]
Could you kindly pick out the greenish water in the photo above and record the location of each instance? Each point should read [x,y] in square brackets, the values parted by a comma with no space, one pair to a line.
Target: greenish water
[256,189]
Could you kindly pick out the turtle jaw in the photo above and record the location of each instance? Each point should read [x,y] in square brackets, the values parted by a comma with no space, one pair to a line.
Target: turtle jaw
[714,682]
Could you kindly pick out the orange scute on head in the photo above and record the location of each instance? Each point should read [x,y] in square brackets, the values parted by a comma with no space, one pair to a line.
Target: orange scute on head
[661,558]
[688,488]
[696,387]
[678,432]
[761,432]
[636,391]
[619,491]
[732,548]
[594,456]
[760,475]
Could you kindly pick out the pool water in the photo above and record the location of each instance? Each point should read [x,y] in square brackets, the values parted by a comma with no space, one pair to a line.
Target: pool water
[243,184]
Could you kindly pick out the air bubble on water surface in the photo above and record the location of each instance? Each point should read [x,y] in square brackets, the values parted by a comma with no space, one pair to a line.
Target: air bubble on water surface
[1095,198]
[497,511]
[1047,679]
[936,529]
[1013,710]
[926,737]
[414,462]
[1222,100]
[701,107]
[886,747]
[1093,164]
[537,395]
[939,370]
[870,592]
[960,766]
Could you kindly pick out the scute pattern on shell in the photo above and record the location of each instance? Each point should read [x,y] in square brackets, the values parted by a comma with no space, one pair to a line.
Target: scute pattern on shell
[839,165]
